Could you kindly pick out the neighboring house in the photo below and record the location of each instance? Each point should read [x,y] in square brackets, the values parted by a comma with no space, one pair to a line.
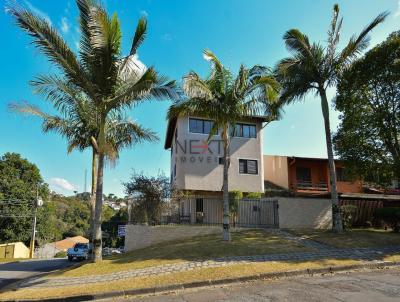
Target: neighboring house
[49,250]
[14,250]
[307,176]
[197,166]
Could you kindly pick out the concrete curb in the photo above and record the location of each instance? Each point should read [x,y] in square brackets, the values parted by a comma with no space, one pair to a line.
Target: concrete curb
[163,289]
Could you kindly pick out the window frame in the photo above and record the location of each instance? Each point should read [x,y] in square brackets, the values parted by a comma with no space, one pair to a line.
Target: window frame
[203,125]
[246,166]
[242,127]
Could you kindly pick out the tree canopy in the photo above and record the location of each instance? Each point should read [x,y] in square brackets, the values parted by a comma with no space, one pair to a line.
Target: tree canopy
[368,97]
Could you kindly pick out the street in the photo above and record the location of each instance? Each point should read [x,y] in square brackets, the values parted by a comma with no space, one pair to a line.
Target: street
[11,272]
[363,286]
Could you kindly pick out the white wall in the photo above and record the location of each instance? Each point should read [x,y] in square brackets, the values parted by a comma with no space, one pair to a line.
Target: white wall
[203,172]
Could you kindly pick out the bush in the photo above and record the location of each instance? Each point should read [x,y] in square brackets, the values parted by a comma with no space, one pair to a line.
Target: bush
[61,254]
[389,216]
[254,195]
[348,212]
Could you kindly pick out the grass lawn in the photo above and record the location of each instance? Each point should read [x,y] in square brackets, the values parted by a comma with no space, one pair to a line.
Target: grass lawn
[8,260]
[244,243]
[233,271]
[352,239]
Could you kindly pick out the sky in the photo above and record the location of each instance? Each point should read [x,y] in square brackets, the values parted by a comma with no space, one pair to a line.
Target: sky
[237,31]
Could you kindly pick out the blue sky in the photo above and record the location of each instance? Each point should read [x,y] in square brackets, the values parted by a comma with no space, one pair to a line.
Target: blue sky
[248,32]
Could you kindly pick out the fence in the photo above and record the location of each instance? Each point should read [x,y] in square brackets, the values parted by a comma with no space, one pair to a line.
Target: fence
[364,215]
[244,212]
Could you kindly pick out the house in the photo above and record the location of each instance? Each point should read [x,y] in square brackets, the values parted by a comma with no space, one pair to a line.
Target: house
[14,250]
[197,165]
[307,176]
[49,250]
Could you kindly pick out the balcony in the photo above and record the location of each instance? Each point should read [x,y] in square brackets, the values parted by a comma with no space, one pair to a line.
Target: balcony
[310,186]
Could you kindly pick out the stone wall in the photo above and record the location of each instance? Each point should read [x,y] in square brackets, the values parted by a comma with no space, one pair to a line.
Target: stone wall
[141,236]
[305,213]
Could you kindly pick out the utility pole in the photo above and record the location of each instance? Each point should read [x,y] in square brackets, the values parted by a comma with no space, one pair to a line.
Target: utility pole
[37,203]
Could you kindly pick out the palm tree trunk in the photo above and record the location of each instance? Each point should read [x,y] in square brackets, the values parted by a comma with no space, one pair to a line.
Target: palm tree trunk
[336,217]
[93,195]
[226,235]
[97,242]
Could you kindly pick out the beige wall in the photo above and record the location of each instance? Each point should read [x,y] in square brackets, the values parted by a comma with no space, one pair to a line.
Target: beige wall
[202,171]
[305,213]
[276,170]
[19,249]
[141,236]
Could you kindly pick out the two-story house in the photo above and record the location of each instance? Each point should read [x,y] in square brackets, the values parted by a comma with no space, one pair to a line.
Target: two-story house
[307,176]
[197,163]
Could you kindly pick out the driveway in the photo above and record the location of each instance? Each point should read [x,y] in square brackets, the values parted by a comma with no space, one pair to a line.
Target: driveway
[15,271]
[365,286]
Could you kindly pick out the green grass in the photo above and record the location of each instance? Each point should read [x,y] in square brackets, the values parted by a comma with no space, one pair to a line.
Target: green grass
[244,243]
[356,238]
[9,260]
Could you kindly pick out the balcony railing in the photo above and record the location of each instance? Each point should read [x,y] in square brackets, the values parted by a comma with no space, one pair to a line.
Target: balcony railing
[308,185]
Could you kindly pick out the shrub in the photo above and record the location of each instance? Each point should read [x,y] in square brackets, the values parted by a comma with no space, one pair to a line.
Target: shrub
[390,216]
[254,195]
[61,254]
[348,212]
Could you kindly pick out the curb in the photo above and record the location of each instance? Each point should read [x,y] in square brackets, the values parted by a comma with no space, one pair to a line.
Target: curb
[162,289]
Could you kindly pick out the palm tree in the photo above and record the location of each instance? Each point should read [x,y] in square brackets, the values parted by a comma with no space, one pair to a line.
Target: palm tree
[100,75]
[79,128]
[226,100]
[312,67]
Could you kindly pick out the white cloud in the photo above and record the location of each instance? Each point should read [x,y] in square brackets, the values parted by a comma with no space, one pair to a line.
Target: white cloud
[144,13]
[38,12]
[64,25]
[397,13]
[62,183]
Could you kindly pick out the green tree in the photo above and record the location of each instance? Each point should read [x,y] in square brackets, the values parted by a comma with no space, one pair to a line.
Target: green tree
[101,76]
[226,100]
[20,182]
[368,97]
[313,67]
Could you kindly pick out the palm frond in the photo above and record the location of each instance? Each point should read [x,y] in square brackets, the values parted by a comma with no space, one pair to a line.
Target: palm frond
[53,46]
[359,43]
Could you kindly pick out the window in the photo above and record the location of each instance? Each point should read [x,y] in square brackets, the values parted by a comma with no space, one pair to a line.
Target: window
[199,204]
[200,126]
[248,166]
[245,130]
[303,174]
[220,160]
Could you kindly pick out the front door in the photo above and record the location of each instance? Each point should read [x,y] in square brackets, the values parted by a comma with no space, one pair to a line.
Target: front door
[9,251]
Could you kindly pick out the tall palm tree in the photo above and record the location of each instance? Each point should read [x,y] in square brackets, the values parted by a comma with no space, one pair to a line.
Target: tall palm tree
[79,128]
[100,75]
[312,67]
[226,100]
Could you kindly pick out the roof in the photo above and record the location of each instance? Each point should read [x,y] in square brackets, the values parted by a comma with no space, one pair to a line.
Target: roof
[172,124]
[69,242]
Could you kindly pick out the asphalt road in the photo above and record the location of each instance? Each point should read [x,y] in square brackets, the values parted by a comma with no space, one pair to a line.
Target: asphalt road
[365,286]
[15,271]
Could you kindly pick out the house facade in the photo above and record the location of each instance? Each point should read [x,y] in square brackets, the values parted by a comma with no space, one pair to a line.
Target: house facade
[302,175]
[197,164]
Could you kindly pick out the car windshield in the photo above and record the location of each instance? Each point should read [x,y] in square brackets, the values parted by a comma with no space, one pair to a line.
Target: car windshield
[80,245]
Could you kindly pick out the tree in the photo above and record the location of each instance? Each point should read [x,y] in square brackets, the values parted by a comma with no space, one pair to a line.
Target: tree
[226,100]
[79,126]
[20,182]
[150,194]
[100,76]
[368,97]
[312,67]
